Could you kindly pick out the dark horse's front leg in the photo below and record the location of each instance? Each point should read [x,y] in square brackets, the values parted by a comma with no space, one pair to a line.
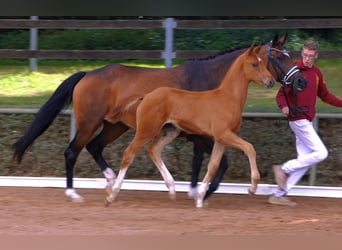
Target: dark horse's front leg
[204,145]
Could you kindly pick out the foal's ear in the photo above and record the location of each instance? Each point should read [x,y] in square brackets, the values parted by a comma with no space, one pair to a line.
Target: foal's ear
[250,50]
[257,49]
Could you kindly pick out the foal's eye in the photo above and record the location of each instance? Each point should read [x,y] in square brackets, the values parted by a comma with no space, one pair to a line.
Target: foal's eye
[255,65]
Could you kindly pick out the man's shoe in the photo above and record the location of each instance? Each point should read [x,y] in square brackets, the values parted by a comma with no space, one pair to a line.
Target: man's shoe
[280,176]
[281,201]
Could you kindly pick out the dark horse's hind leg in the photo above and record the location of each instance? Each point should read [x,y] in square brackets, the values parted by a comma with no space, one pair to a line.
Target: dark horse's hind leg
[95,147]
[81,138]
[70,155]
[205,145]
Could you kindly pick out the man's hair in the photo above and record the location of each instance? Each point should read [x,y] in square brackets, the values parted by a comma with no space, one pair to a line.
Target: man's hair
[311,45]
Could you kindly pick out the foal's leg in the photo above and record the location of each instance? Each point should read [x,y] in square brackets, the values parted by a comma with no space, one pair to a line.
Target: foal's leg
[207,145]
[231,139]
[204,145]
[139,140]
[128,156]
[213,164]
[218,176]
[108,134]
[155,150]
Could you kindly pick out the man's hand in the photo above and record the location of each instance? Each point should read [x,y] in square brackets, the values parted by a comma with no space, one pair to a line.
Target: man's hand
[285,111]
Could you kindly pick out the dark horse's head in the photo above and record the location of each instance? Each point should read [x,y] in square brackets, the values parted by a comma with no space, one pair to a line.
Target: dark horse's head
[281,66]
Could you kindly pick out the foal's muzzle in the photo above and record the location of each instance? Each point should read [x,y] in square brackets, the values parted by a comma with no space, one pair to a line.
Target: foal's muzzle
[270,84]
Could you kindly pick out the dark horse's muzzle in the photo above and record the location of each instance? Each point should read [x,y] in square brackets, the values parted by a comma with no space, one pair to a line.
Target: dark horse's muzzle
[292,78]
[299,83]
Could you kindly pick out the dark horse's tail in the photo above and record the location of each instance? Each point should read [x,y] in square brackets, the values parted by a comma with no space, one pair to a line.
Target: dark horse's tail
[47,114]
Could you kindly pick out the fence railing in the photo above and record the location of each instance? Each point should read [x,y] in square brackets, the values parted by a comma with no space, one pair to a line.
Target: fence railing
[168,25]
[319,116]
[307,23]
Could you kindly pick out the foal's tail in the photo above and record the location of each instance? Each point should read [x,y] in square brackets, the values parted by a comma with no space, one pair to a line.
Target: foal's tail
[47,114]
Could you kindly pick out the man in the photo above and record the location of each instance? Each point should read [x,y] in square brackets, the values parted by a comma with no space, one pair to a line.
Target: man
[300,109]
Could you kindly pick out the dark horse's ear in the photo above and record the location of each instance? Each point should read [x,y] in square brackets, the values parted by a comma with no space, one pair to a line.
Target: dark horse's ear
[279,41]
[275,40]
[283,39]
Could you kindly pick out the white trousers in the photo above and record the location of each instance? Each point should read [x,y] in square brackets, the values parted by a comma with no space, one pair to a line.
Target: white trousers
[310,150]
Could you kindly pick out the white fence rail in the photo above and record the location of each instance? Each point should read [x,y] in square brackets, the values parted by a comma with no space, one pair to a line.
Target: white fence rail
[181,186]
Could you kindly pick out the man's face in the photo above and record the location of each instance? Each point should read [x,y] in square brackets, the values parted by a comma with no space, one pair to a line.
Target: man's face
[309,57]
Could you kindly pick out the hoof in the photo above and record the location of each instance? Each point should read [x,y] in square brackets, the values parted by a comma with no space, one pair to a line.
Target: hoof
[172,196]
[107,203]
[250,192]
[199,203]
[73,196]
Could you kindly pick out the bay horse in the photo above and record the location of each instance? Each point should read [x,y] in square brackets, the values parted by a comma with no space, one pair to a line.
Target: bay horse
[99,96]
[216,113]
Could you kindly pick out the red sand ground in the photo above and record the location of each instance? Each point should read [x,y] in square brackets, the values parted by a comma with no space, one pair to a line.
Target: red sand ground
[46,211]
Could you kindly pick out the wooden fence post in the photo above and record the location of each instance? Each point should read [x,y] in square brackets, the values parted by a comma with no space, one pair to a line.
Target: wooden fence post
[33,45]
[313,169]
[169,24]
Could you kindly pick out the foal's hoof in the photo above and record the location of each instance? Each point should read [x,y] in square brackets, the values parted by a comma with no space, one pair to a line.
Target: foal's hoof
[108,201]
[172,196]
[199,204]
[250,192]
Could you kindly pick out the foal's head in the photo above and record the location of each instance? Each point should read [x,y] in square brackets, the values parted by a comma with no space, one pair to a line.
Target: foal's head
[280,64]
[255,69]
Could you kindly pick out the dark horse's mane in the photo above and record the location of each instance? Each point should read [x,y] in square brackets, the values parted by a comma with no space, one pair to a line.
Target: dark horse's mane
[207,73]
[219,54]
[223,53]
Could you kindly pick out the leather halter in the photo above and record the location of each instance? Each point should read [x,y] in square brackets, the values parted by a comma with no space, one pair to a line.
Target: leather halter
[286,79]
